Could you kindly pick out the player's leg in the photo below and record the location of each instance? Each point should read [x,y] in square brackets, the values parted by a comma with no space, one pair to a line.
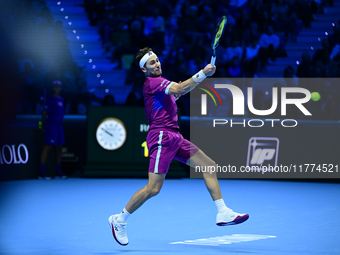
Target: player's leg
[118,221]
[43,159]
[153,187]
[44,153]
[161,155]
[51,135]
[225,215]
[210,178]
[58,151]
[162,146]
[58,155]
[190,154]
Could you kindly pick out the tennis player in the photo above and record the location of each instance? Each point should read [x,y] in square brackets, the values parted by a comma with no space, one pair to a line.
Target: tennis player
[165,143]
[53,130]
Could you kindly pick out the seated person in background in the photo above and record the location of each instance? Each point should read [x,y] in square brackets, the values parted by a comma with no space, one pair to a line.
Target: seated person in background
[319,53]
[234,51]
[269,43]
[234,70]
[109,100]
[251,59]
[334,38]
[306,67]
[335,54]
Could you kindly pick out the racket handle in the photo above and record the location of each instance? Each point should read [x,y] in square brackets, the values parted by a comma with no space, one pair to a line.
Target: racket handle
[212,61]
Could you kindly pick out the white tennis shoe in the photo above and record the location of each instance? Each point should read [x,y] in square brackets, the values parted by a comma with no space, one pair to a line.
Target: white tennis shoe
[230,218]
[118,230]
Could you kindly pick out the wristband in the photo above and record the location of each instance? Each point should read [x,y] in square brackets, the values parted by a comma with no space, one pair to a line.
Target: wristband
[199,77]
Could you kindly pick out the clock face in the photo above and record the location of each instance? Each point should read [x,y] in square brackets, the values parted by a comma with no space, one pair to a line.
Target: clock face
[111,134]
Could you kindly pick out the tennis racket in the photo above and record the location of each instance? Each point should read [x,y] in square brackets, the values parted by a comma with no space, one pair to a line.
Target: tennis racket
[216,38]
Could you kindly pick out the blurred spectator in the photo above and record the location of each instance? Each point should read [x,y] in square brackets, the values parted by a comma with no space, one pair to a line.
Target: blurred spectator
[81,101]
[234,70]
[289,72]
[53,130]
[316,7]
[189,23]
[60,49]
[257,7]
[133,38]
[154,27]
[233,51]
[136,78]
[45,17]
[238,3]
[306,67]
[109,100]
[251,59]
[303,11]
[132,100]
[291,79]
[206,20]
[30,85]
[179,48]
[243,22]
[297,27]
[324,64]
[334,38]
[180,72]
[121,39]
[269,43]
[199,50]
[335,54]
[265,21]
[154,23]
[284,24]
[252,34]
[325,50]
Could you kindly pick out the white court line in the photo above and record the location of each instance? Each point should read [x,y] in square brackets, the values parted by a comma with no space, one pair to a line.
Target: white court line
[227,239]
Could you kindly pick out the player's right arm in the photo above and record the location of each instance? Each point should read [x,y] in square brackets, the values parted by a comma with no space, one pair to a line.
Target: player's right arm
[189,84]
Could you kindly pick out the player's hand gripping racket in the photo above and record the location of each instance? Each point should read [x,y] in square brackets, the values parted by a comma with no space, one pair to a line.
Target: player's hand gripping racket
[216,38]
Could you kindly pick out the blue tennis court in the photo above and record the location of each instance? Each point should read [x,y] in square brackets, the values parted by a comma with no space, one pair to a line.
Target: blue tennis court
[70,217]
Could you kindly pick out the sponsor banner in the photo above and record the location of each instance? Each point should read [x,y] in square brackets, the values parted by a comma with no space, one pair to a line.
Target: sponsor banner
[266,128]
[20,151]
[13,154]
[262,150]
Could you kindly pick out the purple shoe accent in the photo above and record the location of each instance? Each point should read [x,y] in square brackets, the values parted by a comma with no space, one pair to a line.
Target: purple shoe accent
[237,220]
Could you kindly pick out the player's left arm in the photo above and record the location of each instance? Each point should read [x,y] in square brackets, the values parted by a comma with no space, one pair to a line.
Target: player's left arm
[191,83]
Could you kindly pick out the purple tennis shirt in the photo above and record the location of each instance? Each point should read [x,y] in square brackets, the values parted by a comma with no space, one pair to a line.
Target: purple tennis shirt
[160,107]
[55,108]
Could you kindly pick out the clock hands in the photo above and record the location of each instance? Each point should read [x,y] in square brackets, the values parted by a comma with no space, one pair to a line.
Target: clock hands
[107,132]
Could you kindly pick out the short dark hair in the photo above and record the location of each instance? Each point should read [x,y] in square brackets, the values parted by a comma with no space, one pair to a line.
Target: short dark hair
[141,53]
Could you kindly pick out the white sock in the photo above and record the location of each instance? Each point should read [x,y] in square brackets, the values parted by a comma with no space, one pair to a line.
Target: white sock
[123,216]
[221,207]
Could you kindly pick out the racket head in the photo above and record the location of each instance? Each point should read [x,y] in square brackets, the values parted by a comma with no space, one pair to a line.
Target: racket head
[219,32]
